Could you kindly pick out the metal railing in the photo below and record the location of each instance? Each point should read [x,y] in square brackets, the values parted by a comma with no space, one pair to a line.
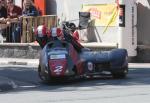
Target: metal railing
[22,31]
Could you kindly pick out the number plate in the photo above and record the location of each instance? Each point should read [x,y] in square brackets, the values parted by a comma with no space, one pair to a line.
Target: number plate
[60,56]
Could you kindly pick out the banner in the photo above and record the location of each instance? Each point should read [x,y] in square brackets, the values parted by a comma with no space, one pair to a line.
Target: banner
[102,14]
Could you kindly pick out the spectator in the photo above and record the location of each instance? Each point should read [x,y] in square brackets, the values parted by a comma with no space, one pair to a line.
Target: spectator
[4,3]
[3,11]
[13,10]
[3,16]
[13,13]
[29,8]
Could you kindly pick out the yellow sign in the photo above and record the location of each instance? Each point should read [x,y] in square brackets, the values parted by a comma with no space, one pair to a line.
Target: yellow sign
[103,14]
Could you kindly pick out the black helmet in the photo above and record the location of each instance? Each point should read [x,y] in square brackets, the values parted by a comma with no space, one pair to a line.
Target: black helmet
[72,26]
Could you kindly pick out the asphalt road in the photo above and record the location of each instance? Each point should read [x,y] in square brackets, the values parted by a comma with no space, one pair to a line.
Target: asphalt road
[135,88]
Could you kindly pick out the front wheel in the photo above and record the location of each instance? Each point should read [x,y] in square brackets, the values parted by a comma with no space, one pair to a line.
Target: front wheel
[120,74]
[45,79]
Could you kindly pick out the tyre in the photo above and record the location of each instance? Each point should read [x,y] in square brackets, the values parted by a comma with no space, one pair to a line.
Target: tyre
[45,79]
[120,74]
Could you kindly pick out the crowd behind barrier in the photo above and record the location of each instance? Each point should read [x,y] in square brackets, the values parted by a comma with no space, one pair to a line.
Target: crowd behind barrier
[22,30]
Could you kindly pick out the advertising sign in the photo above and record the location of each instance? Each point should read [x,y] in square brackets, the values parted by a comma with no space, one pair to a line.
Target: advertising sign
[103,14]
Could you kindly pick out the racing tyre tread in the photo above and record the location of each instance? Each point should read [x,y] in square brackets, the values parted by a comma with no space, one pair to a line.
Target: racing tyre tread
[120,74]
[44,79]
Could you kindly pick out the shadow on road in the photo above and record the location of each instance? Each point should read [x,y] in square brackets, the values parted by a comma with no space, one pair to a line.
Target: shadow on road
[27,80]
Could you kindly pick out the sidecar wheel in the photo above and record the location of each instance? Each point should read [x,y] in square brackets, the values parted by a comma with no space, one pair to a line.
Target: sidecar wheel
[120,74]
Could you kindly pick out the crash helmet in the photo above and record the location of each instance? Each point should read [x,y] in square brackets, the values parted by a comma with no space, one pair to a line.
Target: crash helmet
[41,31]
[72,26]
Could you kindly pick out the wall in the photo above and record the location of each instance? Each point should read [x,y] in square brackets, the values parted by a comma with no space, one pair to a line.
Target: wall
[143,22]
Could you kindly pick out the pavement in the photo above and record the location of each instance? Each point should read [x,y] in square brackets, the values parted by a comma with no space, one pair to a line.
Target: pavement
[19,61]
[6,84]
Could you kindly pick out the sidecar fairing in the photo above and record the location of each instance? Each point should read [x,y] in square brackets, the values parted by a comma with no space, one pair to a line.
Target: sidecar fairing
[113,61]
[59,59]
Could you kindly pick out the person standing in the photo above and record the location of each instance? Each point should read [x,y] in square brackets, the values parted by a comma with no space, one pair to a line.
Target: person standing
[3,16]
[3,11]
[4,4]
[14,11]
[29,8]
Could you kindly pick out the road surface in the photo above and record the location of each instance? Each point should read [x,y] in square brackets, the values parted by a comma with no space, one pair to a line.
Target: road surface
[135,88]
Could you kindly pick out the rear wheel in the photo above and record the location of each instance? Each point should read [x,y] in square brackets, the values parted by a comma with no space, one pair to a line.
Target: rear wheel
[44,78]
[120,74]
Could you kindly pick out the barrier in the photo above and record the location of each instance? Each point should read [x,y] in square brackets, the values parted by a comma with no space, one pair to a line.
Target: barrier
[29,23]
[22,31]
